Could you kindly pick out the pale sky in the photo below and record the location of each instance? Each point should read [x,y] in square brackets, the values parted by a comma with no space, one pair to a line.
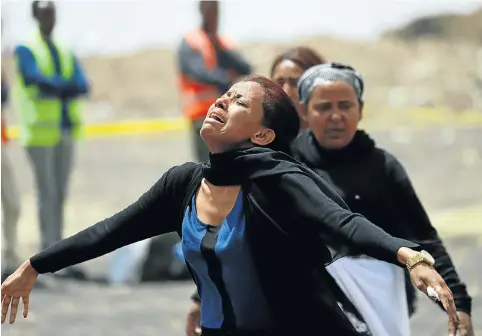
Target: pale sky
[96,27]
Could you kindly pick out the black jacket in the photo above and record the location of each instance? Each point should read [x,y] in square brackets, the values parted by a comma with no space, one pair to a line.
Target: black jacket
[282,231]
[373,183]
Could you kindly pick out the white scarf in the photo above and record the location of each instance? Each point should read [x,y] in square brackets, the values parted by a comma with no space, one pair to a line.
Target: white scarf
[377,290]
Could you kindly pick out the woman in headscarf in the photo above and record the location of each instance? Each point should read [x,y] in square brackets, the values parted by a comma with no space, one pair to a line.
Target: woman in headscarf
[373,183]
[286,71]
[257,228]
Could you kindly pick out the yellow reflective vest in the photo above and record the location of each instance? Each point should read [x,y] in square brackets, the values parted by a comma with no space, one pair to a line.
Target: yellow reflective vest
[40,116]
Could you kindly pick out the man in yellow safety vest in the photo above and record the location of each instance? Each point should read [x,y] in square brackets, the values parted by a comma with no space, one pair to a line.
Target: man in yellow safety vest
[46,95]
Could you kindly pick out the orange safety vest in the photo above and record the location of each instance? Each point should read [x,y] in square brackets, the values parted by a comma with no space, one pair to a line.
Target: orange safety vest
[4,131]
[197,97]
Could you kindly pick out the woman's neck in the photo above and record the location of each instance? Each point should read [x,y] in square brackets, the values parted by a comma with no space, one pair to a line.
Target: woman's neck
[225,168]
[219,149]
[359,145]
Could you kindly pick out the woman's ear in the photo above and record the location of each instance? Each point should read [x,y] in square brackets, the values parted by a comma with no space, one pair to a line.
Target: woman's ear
[263,137]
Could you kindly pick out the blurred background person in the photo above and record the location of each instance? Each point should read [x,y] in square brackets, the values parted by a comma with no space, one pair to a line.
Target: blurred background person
[49,84]
[372,182]
[10,199]
[287,69]
[208,65]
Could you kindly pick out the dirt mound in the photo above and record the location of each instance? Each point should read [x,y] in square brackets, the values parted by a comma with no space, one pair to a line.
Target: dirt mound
[402,70]
[447,27]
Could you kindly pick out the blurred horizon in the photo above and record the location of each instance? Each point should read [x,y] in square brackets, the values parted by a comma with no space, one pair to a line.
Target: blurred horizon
[158,24]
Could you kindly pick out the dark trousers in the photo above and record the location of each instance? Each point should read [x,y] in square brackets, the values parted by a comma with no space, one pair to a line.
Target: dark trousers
[201,151]
[52,167]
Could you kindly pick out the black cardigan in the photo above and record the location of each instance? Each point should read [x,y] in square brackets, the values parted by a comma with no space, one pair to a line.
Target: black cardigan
[280,233]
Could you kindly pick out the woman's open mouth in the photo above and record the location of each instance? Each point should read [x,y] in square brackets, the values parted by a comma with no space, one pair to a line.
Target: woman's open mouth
[217,119]
[216,116]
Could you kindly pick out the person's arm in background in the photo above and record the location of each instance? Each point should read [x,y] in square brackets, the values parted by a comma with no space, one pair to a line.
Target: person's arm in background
[5,91]
[237,62]
[28,69]
[78,85]
[191,64]
[425,234]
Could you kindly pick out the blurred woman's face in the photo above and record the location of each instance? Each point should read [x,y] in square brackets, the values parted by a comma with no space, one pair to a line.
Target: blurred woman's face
[333,114]
[287,74]
[236,119]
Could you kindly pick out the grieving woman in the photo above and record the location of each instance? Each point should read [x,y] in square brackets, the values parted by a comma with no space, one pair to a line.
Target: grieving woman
[257,228]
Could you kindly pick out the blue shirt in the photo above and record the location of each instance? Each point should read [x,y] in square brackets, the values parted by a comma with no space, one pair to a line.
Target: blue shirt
[221,260]
[54,86]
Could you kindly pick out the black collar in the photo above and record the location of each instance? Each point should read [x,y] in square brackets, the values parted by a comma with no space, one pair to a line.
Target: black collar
[308,151]
[240,166]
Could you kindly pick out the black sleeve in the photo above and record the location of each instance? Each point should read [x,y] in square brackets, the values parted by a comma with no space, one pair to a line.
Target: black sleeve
[424,233]
[151,215]
[191,64]
[237,62]
[313,208]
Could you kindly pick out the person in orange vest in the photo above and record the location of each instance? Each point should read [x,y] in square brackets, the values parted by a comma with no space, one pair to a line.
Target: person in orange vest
[10,201]
[208,65]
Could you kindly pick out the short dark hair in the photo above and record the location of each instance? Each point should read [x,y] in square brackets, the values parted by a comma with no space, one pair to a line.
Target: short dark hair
[304,57]
[202,3]
[280,113]
[35,6]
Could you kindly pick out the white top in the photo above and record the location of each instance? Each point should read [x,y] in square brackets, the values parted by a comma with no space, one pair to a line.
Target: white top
[377,290]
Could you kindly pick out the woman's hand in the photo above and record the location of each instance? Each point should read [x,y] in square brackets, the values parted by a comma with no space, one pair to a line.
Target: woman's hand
[16,286]
[193,323]
[428,281]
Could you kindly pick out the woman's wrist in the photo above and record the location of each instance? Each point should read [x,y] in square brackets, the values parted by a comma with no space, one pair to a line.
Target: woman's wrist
[28,268]
[404,254]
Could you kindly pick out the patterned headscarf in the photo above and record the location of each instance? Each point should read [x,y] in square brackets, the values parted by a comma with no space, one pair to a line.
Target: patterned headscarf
[331,72]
